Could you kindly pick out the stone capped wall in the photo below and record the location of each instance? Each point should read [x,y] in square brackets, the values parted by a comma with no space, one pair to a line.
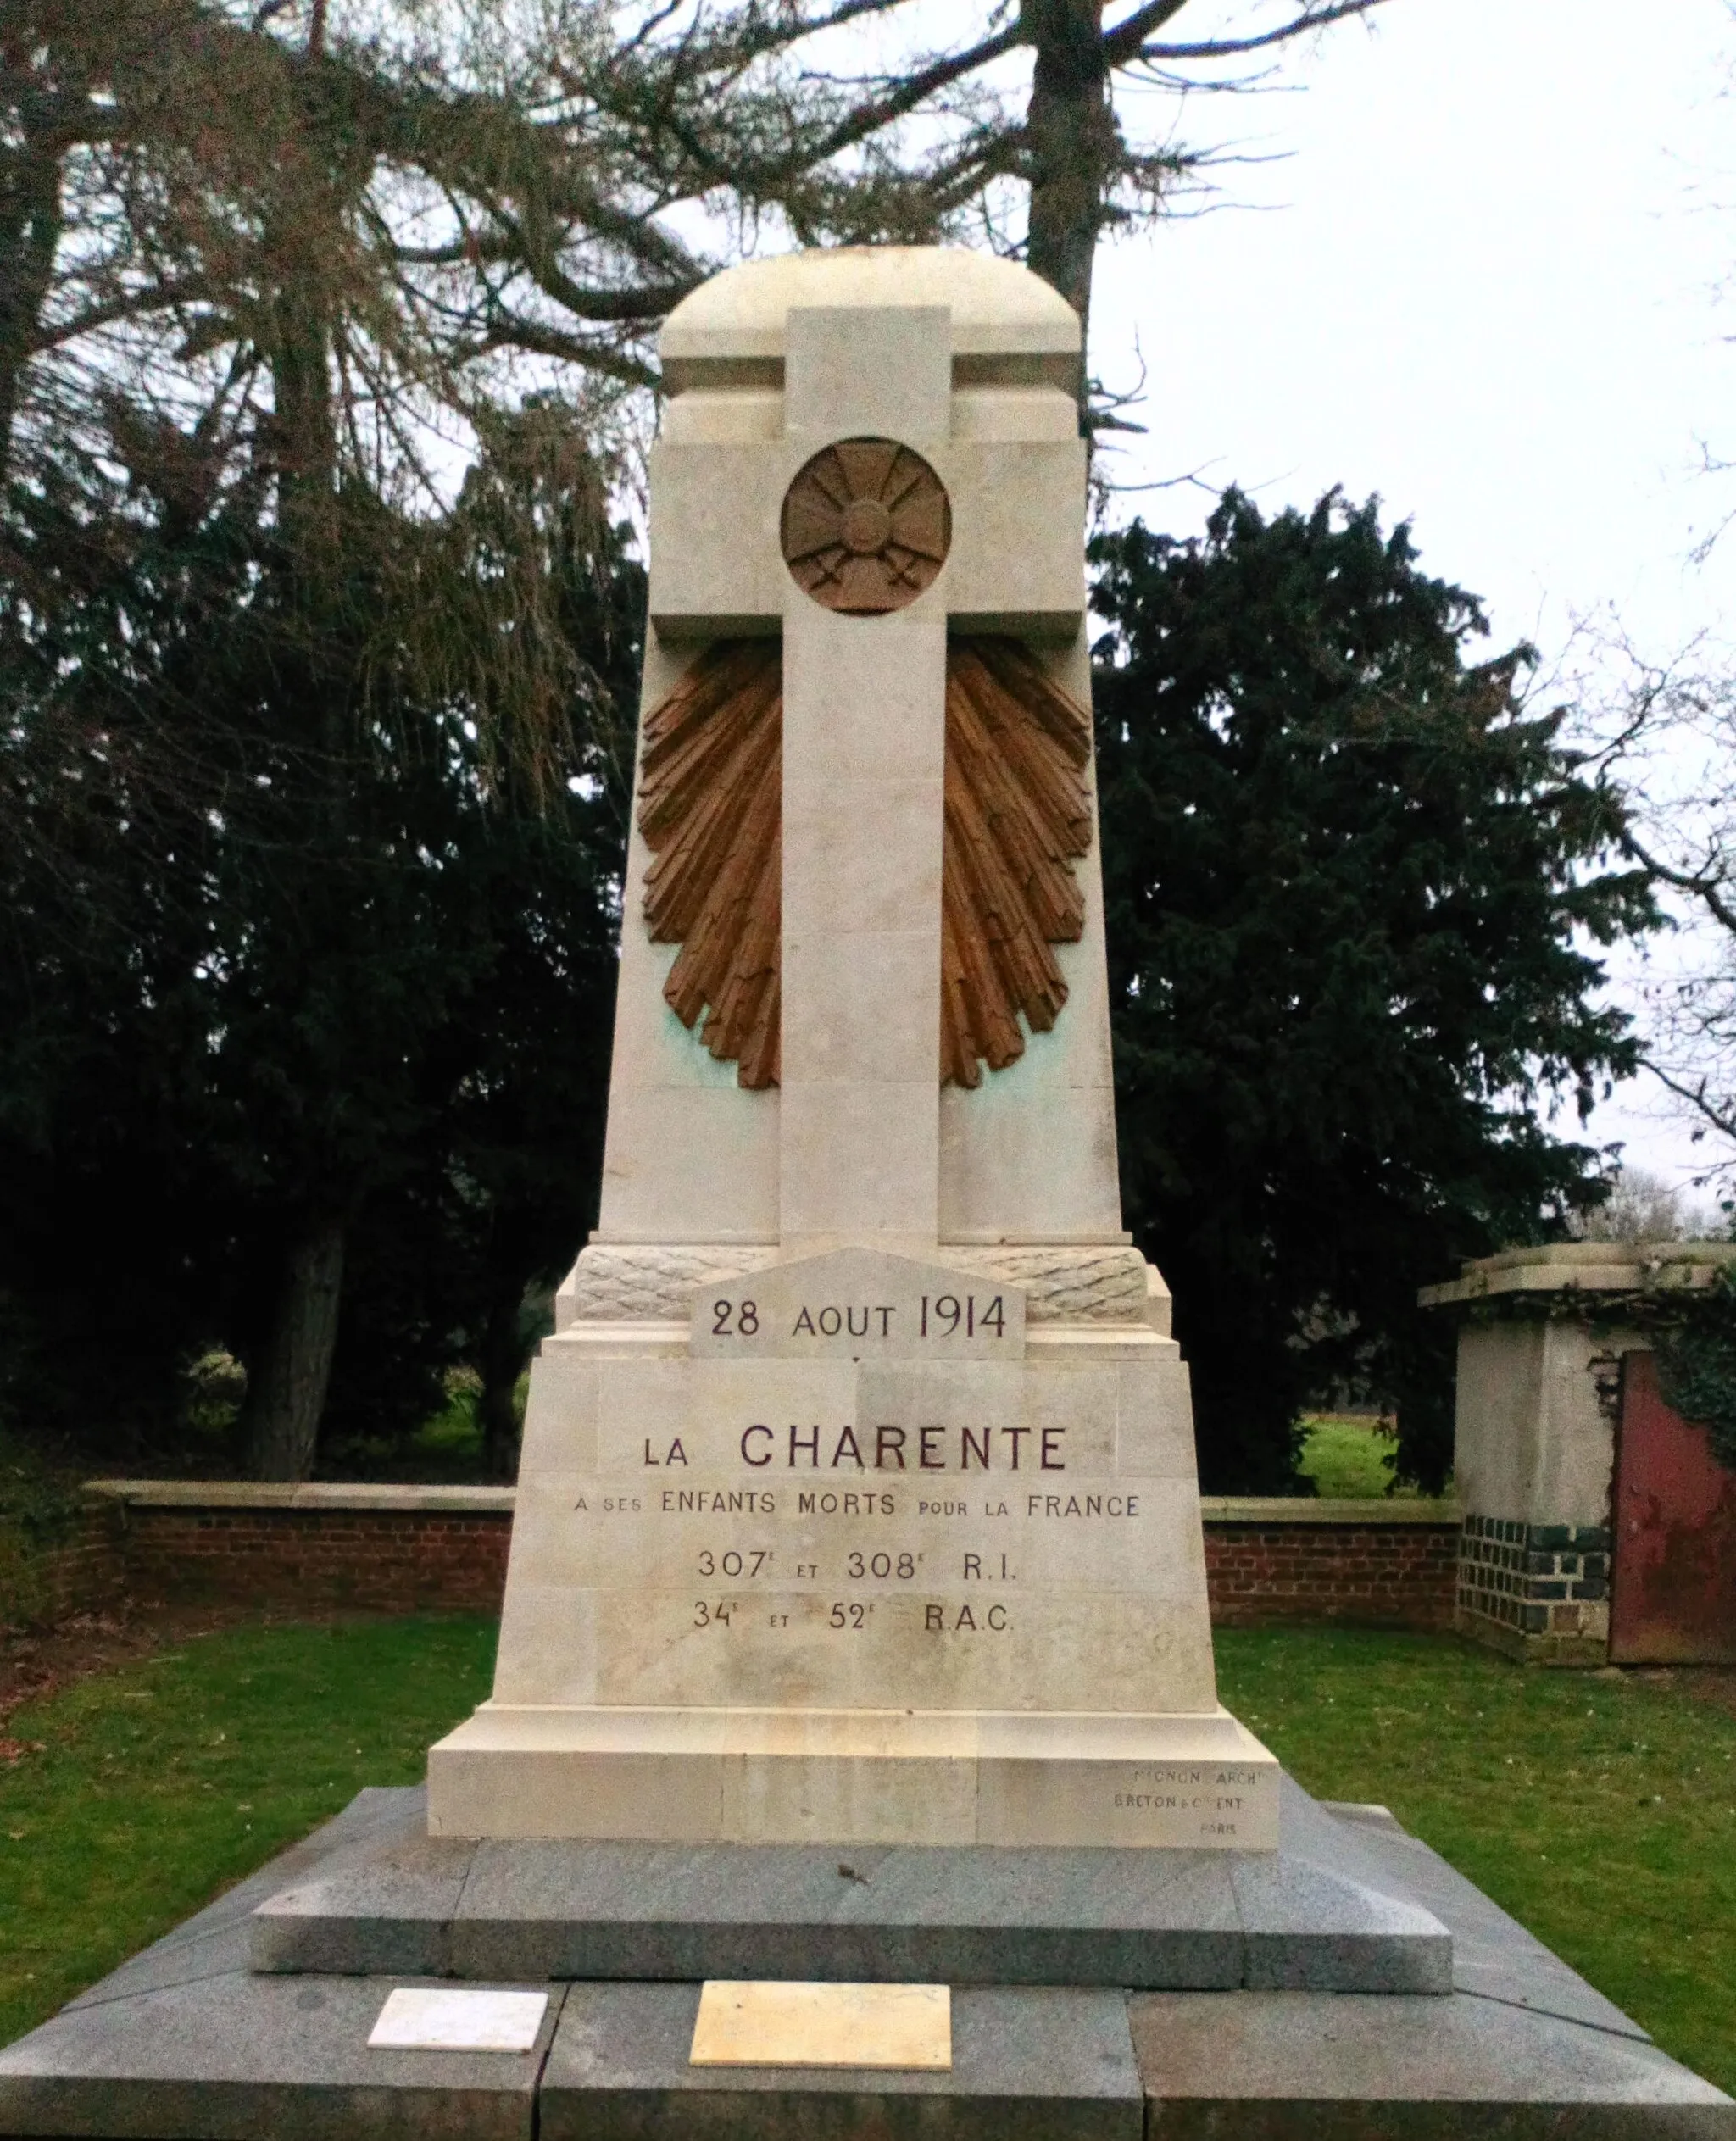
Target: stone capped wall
[394,1549]
[1376,1563]
[372,1560]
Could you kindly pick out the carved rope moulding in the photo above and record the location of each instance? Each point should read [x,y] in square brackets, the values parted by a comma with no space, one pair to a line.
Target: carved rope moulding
[1017,819]
[865,527]
[621,1282]
[650,1282]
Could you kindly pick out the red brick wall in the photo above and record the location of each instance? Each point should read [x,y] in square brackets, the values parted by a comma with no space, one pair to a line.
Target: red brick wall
[394,1560]
[1384,1575]
[381,1560]
[77,1571]
[1263,1567]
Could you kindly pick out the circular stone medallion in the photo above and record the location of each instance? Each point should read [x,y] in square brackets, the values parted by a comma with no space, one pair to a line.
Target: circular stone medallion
[867,526]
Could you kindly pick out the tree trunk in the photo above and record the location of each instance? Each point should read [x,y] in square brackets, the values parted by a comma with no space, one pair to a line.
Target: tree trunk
[281,1423]
[1069,130]
[504,1353]
[298,247]
[30,238]
[287,1387]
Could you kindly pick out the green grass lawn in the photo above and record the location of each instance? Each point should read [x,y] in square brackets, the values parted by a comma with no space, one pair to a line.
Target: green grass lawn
[163,1784]
[1601,1811]
[1346,1458]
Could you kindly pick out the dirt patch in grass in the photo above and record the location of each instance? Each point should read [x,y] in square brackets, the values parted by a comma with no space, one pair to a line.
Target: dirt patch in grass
[1710,1684]
[36,1663]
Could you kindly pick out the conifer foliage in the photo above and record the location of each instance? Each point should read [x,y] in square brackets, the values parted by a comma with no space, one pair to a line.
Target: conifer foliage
[1356,889]
[313,753]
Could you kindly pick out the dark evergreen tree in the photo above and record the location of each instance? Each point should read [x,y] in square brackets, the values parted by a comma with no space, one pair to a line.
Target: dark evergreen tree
[111,1254]
[246,686]
[348,975]
[1354,892]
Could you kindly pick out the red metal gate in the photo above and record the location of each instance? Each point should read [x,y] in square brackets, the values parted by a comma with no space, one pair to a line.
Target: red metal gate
[1674,1592]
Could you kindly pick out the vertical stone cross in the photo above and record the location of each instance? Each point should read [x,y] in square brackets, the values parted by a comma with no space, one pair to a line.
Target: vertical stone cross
[967,365]
[864,771]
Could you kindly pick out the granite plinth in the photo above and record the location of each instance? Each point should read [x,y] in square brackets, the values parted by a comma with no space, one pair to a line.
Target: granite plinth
[185,2040]
[227,2053]
[1322,1911]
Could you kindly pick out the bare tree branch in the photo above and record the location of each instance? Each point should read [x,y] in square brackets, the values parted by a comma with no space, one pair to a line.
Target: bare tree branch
[1229,47]
[135,304]
[1132,31]
[537,338]
[1706,887]
[1719,1116]
[941,73]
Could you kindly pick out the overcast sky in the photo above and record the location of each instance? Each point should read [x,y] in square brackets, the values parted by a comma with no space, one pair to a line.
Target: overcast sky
[1483,280]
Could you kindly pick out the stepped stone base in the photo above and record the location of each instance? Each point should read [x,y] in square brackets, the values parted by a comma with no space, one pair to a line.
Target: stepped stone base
[855,1777]
[1317,1913]
[187,2039]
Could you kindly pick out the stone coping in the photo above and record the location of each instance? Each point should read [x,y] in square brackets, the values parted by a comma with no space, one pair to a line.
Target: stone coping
[458,1501]
[318,1495]
[996,304]
[1585,1267]
[1298,1509]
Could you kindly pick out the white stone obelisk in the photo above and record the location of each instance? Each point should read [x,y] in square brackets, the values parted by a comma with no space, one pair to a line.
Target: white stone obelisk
[858,1498]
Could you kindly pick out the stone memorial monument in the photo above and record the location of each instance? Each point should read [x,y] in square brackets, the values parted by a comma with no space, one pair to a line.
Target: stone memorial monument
[857,1499]
[856,1599]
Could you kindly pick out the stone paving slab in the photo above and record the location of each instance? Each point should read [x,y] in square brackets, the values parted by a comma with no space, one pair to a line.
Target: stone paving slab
[1319,1912]
[1029,2064]
[374,1818]
[1334,2066]
[222,1952]
[951,1915]
[1324,1914]
[219,1937]
[400,1907]
[237,2057]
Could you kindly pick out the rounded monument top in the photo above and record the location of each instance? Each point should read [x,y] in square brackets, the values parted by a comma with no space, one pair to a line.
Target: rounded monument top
[734,322]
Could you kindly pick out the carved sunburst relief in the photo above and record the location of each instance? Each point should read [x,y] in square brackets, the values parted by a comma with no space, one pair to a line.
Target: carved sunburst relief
[865,527]
[1018,817]
[711,810]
